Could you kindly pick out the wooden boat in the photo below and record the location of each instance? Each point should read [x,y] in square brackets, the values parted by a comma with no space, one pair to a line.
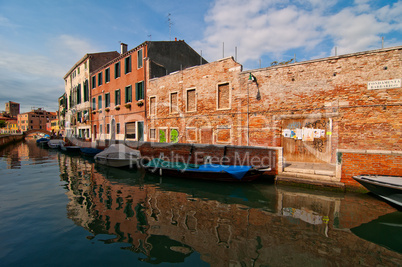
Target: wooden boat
[214,172]
[55,143]
[70,148]
[118,155]
[90,151]
[386,187]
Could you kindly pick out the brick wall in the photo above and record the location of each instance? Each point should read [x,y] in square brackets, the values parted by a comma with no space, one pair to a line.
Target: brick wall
[369,162]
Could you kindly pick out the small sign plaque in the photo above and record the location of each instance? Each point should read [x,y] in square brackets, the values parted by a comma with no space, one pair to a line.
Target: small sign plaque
[386,84]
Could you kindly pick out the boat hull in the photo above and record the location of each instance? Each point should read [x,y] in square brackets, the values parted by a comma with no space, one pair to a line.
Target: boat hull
[88,151]
[118,163]
[209,176]
[388,188]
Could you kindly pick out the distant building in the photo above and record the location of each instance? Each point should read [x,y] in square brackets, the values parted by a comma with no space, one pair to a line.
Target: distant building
[12,108]
[35,119]
[76,103]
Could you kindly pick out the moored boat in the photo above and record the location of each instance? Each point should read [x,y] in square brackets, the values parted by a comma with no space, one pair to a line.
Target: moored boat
[55,143]
[386,187]
[118,155]
[213,172]
[90,151]
[42,140]
[70,148]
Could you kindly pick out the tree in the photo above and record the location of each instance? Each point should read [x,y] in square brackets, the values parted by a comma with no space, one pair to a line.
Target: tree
[3,124]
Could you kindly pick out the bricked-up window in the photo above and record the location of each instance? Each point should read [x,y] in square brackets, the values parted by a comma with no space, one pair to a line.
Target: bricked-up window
[223,96]
[107,100]
[107,75]
[99,102]
[117,97]
[127,64]
[173,102]
[128,94]
[139,59]
[191,100]
[93,85]
[100,79]
[152,106]
[117,70]
[130,130]
[152,133]
[139,91]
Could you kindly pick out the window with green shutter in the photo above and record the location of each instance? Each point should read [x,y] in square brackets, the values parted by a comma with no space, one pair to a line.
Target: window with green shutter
[128,94]
[117,70]
[107,75]
[99,102]
[117,98]
[139,91]
[127,64]
[139,59]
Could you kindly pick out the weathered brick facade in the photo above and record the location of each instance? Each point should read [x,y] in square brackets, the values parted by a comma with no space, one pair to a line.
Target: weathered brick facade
[309,109]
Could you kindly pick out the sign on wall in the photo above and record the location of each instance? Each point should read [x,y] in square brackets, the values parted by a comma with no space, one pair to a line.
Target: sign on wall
[386,84]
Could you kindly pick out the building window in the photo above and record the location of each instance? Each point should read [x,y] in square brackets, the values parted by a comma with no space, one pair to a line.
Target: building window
[223,96]
[118,128]
[128,95]
[130,130]
[93,85]
[100,128]
[86,64]
[107,75]
[117,97]
[79,94]
[78,70]
[86,91]
[107,100]
[174,135]
[117,70]
[100,79]
[152,133]
[139,90]
[99,102]
[139,59]
[173,102]
[191,100]
[127,64]
[108,128]
[93,103]
[152,106]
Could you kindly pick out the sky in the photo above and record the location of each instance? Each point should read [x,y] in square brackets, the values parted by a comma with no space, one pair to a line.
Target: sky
[41,40]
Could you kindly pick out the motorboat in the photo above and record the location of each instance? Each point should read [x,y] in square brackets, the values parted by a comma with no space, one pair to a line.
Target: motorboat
[118,155]
[386,187]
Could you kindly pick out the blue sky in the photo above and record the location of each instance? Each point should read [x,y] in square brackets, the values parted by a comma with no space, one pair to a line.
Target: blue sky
[41,40]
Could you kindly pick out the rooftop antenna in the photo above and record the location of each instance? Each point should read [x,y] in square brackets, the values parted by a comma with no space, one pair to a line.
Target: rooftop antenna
[170,22]
[382,42]
[150,37]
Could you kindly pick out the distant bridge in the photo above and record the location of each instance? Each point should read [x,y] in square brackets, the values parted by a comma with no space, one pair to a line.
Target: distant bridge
[33,131]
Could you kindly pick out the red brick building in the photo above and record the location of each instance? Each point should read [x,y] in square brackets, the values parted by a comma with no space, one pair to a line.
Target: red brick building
[343,110]
[35,119]
[118,88]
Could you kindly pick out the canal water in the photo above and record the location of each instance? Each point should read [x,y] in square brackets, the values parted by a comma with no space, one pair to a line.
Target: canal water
[64,210]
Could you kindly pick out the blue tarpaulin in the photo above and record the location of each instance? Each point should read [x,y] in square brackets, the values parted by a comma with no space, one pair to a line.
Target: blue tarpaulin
[236,171]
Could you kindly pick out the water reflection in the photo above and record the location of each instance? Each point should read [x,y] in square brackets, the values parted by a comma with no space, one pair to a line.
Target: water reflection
[250,224]
[167,220]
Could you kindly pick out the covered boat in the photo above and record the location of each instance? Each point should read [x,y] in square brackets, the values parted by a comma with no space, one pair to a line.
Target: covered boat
[214,172]
[42,140]
[118,155]
[386,187]
[70,148]
[55,143]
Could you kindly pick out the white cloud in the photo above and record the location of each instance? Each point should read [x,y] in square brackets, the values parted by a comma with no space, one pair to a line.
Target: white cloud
[274,28]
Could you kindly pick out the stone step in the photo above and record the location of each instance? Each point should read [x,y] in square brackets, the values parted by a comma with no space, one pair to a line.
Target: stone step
[310,176]
[320,181]
[310,171]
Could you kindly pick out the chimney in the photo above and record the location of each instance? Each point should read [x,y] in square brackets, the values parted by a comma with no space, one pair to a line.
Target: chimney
[123,48]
